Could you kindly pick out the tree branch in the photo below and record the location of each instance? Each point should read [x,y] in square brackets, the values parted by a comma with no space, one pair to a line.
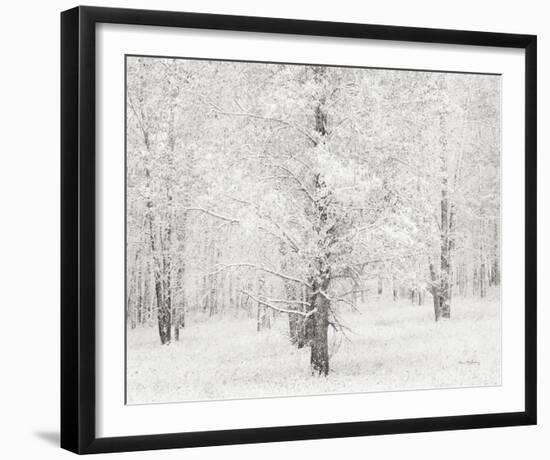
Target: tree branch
[282,310]
[214,214]
[301,185]
[285,236]
[261,117]
[341,299]
[264,269]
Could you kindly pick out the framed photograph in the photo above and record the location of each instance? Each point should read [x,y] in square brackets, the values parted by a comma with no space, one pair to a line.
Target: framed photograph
[279,229]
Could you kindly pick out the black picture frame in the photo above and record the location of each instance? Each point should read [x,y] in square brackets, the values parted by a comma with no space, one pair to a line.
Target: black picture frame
[78,179]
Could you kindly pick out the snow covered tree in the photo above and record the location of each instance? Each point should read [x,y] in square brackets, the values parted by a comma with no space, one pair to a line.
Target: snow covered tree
[288,190]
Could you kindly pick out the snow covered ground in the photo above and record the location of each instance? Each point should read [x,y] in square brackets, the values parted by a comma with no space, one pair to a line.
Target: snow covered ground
[393,345]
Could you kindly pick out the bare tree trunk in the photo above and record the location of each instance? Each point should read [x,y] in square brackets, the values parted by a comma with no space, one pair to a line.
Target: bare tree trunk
[435,291]
[139,297]
[163,314]
[176,326]
[263,319]
[445,262]
[318,325]
[148,311]
[482,280]
[230,291]
[259,309]
[293,329]
[463,280]
[212,282]
[295,322]
[178,315]
[496,256]
[301,341]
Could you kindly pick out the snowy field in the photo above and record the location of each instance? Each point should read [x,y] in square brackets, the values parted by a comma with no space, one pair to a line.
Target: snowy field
[392,346]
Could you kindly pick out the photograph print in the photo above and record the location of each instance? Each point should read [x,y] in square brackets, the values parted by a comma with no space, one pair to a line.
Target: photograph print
[303,229]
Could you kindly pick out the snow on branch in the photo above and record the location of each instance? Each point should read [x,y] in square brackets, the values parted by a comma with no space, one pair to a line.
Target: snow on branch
[282,310]
[285,237]
[214,214]
[301,186]
[261,117]
[390,259]
[341,298]
[262,268]
[285,234]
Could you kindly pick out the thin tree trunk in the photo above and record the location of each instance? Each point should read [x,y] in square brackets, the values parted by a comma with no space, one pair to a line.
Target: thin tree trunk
[294,321]
[445,265]
[496,256]
[163,315]
[435,291]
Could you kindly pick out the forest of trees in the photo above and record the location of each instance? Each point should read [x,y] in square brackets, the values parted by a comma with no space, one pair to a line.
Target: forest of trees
[295,192]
